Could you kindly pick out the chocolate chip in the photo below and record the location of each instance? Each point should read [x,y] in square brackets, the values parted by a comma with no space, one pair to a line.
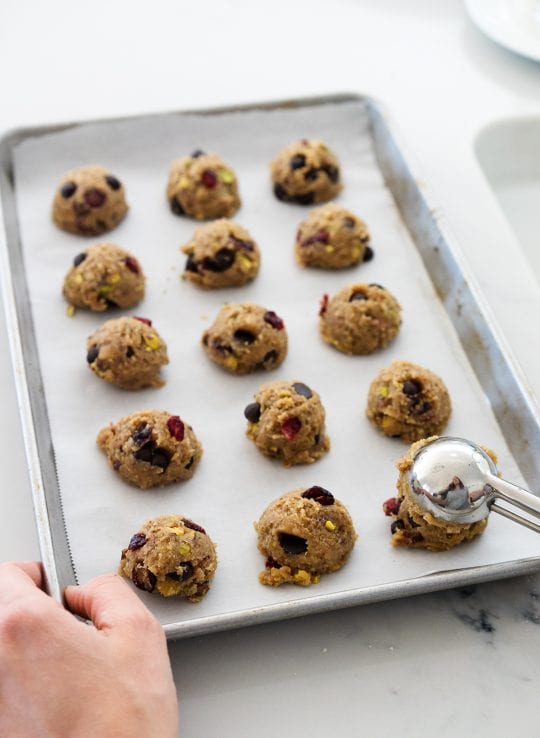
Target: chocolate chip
[245,337]
[130,352]
[358,296]
[189,464]
[222,348]
[292,544]
[94,197]
[270,357]
[302,389]
[113,183]
[137,541]
[305,199]
[142,435]
[160,458]
[281,193]
[194,526]
[176,207]
[195,154]
[374,284]
[298,161]
[317,439]
[92,354]
[68,189]
[368,253]
[426,407]
[223,259]
[319,494]
[397,525]
[143,578]
[271,563]
[191,264]
[349,222]
[253,412]
[82,209]
[79,259]
[332,173]
[411,387]
[311,175]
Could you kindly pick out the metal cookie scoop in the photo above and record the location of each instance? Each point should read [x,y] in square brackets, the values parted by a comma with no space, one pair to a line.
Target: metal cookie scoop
[456,481]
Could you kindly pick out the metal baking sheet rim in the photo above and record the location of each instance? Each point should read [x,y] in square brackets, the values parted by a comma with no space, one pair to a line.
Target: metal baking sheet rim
[414,203]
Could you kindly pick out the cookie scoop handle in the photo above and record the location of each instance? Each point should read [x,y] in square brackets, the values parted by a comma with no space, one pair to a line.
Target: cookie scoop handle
[456,481]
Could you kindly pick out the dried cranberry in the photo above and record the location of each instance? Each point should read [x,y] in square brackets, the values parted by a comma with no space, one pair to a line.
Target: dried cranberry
[270,357]
[411,387]
[79,259]
[311,175]
[298,161]
[349,222]
[291,427]
[368,254]
[391,506]
[176,427]
[143,578]
[245,337]
[222,348]
[320,495]
[176,207]
[92,354]
[319,237]
[305,199]
[209,178]
[332,173]
[137,541]
[292,544]
[132,264]
[113,183]
[68,189]
[302,389]
[281,193]
[323,305]
[223,259]
[142,435]
[271,563]
[95,197]
[252,412]
[274,320]
[245,245]
[358,296]
[146,321]
[194,526]
[195,154]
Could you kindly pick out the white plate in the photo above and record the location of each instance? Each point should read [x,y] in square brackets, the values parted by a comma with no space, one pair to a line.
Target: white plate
[514,24]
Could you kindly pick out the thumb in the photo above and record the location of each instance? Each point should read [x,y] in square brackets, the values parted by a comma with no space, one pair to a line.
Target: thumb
[108,602]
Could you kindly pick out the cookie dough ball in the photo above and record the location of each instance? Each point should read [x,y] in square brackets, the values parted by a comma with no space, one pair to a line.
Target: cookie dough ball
[89,201]
[170,555]
[409,402]
[127,352]
[360,318]
[414,527]
[203,187]
[104,276]
[332,238]
[306,172]
[303,534]
[246,337]
[151,448]
[286,422]
[221,254]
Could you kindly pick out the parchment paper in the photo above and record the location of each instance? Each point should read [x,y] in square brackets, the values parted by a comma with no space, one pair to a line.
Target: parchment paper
[234,483]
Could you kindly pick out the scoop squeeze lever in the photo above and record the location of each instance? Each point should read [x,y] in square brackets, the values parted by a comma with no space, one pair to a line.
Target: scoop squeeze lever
[456,481]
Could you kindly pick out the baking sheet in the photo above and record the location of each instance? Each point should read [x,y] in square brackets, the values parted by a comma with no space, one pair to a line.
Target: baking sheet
[233,483]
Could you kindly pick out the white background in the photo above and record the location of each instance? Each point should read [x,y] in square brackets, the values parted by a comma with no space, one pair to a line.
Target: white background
[365,670]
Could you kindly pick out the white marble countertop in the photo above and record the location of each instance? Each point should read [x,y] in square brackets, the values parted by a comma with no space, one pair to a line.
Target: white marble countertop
[462,662]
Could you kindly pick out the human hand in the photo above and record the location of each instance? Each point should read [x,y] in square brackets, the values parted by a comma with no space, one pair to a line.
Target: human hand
[60,677]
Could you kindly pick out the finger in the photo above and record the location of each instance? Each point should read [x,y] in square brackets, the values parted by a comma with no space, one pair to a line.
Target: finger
[18,581]
[33,569]
[107,601]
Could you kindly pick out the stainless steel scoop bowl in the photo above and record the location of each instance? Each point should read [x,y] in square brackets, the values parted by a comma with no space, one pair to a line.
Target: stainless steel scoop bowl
[456,481]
